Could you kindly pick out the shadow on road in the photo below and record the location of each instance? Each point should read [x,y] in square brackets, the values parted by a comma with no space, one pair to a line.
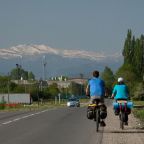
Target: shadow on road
[124,131]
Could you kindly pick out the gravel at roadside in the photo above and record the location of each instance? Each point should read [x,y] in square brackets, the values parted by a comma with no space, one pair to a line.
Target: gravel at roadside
[132,134]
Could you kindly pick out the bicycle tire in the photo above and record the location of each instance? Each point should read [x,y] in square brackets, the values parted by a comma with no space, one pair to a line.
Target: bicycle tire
[122,120]
[97,120]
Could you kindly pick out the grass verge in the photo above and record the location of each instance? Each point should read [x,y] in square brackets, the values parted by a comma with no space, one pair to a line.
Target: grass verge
[34,106]
[139,112]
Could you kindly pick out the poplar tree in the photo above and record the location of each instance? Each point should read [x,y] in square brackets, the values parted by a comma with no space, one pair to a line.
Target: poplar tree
[127,51]
[133,53]
[108,76]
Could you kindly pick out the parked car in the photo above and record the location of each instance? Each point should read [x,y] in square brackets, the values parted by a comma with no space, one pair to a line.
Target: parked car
[73,102]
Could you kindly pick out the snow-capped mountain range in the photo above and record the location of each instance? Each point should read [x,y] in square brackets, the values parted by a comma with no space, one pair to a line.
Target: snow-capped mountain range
[35,50]
[58,61]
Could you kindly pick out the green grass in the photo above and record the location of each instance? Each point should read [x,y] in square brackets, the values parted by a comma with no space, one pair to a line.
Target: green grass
[84,100]
[34,106]
[40,105]
[139,113]
[138,102]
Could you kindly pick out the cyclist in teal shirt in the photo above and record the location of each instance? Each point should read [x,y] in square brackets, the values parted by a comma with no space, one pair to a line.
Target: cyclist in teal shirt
[120,90]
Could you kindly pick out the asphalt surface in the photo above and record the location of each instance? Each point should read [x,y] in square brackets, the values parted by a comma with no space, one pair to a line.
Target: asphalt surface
[55,126]
[66,126]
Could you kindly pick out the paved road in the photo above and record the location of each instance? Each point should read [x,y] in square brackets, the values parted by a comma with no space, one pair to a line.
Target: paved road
[64,126]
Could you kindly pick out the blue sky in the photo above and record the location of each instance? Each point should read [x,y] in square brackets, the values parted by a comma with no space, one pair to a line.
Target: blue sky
[95,25]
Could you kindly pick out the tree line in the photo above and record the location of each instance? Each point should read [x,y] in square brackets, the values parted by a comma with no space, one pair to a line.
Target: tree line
[132,69]
[21,81]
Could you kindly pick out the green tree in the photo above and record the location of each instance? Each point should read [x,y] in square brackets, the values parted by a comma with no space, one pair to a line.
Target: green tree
[76,89]
[12,86]
[138,58]
[108,76]
[133,67]
[15,75]
[133,53]
[53,90]
[31,76]
[19,89]
[130,77]
[139,92]
[4,84]
[18,73]
[128,49]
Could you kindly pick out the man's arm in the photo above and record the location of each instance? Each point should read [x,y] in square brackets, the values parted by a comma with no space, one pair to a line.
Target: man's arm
[88,90]
[112,96]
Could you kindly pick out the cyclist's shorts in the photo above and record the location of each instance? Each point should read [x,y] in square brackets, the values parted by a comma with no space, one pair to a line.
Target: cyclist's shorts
[92,98]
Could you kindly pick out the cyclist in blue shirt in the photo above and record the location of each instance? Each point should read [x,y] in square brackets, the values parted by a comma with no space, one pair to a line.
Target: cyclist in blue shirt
[96,90]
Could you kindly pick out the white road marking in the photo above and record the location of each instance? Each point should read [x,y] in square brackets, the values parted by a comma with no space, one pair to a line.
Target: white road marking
[7,122]
[16,119]
[24,117]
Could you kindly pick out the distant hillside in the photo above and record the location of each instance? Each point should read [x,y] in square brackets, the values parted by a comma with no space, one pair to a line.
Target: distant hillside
[57,61]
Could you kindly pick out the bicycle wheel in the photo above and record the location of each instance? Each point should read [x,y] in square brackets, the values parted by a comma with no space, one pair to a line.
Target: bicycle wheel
[122,117]
[97,120]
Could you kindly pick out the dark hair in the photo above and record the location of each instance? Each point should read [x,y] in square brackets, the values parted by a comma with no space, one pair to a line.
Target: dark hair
[95,73]
[120,83]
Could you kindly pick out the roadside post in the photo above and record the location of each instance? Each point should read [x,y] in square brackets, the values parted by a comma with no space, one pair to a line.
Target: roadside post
[59,97]
[55,99]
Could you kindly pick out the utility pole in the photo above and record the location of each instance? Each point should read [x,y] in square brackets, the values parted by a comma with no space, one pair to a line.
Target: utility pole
[20,67]
[59,96]
[44,67]
[8,88]
[81,83]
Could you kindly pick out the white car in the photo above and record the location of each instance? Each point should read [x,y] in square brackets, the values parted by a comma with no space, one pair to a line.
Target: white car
[73,102]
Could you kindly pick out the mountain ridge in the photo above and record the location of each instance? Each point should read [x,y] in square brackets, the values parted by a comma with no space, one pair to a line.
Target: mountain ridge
[34,50]
[58,61]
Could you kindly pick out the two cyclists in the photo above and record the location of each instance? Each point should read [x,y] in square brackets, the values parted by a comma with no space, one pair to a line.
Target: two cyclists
[96,90]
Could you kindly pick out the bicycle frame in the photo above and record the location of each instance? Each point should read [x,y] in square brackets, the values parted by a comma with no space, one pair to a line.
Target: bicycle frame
[123,109]
[96,112]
